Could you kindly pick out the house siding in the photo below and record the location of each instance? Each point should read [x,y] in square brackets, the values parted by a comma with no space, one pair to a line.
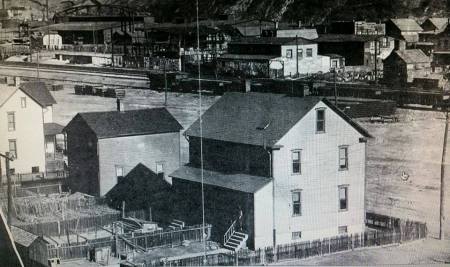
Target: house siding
[263,221]
[129,151]
[319,179]
[30,147]
[306,65]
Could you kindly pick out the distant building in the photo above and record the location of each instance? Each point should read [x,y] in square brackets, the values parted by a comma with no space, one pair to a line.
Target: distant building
[272,57]
[283,169]
[304,33]
[404,29]
[358,50]
[352,27]
[30,247]
[28,108]
[429,37]
[52,41]
[104,146]
[403,66]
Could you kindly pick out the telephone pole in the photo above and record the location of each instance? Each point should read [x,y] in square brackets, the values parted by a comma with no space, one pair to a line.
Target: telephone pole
[442,195]
[8,178]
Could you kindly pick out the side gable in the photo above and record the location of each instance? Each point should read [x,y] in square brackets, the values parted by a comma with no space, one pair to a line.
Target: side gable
[77,125]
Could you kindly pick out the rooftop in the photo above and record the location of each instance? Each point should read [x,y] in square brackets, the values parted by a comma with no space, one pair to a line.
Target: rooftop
[239,117]
[53,128]
[234,181]
[413,56]
[112,124]
[38,92]
[407,25]
[77,26]
[273,41]
[22,237]
[439,23]
[339,38]
[246,57]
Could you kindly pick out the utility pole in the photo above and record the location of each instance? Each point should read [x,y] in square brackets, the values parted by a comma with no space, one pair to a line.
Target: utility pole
[335,88]
[375,58]
[8,178]
[296,52]
[165,83]
[442,195]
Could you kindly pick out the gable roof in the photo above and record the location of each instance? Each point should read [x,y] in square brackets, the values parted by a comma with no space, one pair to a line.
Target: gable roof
[257,118]
[407,25]
[23,237]
[129,123]
[411,56]
[38,92]
[6,92]
[439,23]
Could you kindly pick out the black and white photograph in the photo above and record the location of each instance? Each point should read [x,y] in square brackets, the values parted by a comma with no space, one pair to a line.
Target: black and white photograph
[148,133]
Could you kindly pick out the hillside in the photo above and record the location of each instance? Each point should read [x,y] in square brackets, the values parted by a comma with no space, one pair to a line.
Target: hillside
[308,11]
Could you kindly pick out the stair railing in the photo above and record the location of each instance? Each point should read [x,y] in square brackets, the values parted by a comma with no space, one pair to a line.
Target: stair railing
[229,232]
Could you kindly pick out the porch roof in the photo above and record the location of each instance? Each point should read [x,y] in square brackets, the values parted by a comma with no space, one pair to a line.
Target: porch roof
[234,181]
[52,128]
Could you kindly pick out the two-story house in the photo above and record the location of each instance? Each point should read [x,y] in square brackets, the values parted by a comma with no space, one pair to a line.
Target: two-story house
[276,170]
[27,108]
[272,57]
[404,29]
[103,146]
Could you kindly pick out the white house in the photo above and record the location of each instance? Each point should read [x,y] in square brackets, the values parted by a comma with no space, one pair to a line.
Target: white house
[275,164]
[26,112]
[301,53]
[52,41]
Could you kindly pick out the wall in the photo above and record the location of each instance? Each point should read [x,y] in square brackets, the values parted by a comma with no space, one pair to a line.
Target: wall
[226,156]
[82,157]
[52,41]
[30,147]
[263,216]
[353,52]
[319,180]
[127,152]
[48,114]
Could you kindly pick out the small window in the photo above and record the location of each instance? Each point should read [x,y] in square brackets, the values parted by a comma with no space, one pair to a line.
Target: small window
[342,230]
[289,53]
[11,121]
[23,102]
[296,162]
[300,53]
[35,169]
[296,235]
[119,171]
[343,198]
[13,148]
[309,52]
[160,168]
[296,203]
[320,120]
[343,157]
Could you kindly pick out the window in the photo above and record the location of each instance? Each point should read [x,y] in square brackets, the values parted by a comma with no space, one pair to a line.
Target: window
[342,230]
[11,121]
[35,169]
[308,52]
[160,167]
[299,53]
[296,203]
[334,63]
[343,197]
[13,148]
[296,161]
[119,171]
[23,102]
[296,235]
[320,120]
[289,53]
[343,157]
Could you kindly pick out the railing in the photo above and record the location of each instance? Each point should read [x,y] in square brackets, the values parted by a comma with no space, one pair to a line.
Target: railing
[229,232]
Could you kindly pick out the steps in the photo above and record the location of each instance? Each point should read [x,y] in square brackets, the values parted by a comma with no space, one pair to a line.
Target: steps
[236,241]
[176,225]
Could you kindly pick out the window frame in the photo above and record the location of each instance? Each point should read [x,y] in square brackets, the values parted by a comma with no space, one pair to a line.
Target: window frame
[163,164]
[341,229]
[13,116]
[346,187]
[346,158]
[23,102]
[300,53]
[119,167]
[288,53]
[299,151]
[309,52]
[323,120]
[299,192]
[296,235]
[13,155]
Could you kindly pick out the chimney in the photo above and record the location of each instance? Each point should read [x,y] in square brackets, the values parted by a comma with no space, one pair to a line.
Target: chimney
[276,25]
[299,23]
[17,80]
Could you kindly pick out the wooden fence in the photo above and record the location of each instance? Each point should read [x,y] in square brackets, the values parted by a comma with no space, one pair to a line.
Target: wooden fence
[76,251]
[301,250]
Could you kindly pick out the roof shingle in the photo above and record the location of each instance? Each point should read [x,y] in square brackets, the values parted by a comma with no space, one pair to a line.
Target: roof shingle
[38,92]
[407,25]
[411,56]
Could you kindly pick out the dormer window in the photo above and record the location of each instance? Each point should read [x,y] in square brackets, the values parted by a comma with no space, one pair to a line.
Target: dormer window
[320,120]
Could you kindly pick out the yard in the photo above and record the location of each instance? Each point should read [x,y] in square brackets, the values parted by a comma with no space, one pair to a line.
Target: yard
[403,158]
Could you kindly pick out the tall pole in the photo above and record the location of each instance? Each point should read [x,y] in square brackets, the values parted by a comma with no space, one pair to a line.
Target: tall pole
[442,195]
[335,88]
[165,83]
[375,58]
[1,175]
[296,52]
[8,178]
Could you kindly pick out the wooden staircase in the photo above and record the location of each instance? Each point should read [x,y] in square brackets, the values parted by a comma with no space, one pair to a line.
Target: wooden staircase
[234,240]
